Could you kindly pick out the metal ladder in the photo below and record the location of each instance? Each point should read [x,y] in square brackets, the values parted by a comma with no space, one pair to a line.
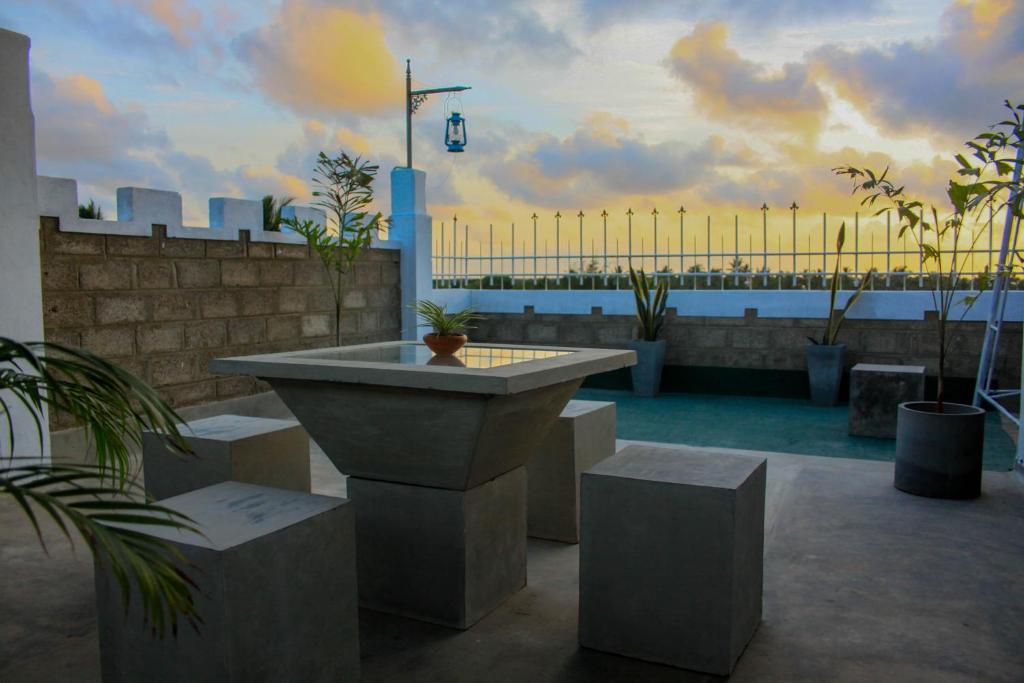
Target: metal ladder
[983,389]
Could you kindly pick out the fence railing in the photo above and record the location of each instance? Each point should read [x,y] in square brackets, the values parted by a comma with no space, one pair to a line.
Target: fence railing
[553,256]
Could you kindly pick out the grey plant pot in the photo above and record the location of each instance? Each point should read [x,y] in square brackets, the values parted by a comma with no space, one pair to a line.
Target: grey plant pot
[650,359]
[939,455]
[825,372]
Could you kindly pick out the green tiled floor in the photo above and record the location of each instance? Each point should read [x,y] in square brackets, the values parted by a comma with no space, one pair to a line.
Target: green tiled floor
[764,424]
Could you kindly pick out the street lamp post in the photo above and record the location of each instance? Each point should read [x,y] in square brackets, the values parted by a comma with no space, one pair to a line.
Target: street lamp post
[413,100]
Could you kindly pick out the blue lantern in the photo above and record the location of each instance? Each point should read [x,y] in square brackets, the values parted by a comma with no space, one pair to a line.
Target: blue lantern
[455,132]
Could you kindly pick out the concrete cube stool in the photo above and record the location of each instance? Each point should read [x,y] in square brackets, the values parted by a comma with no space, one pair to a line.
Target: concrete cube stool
[876,391]
[255,450]
[277,593]
[671,556]
[440,555]
[583,436]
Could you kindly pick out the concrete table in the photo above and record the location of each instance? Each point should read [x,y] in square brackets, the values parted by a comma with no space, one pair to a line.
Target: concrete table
[876,391]
[435,449]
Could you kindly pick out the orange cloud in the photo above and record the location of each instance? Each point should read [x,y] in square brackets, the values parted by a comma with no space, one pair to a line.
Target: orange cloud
[317,59]
[727,86]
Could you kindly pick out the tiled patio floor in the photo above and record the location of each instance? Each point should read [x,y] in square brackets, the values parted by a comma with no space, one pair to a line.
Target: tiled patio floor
[862,583]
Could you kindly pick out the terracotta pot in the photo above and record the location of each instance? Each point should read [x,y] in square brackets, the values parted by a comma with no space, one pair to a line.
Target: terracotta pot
[445,345]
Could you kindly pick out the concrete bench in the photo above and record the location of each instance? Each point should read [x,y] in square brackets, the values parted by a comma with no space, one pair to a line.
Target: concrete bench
[277,593]
[255,450]
[876,391]
[671,556]
[583,436]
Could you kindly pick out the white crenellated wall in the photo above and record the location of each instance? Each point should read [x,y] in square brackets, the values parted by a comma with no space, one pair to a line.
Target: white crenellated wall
[138,209]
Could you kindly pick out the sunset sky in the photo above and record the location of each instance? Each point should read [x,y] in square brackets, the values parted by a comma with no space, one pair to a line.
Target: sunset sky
[585,104]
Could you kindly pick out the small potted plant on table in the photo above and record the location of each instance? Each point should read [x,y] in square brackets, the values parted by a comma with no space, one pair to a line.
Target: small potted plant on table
[825,358]
[448,329]
[650,351]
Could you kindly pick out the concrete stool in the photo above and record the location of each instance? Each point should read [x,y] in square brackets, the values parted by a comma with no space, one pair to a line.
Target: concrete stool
[277,593]
[876,391]
[583,436]
[671,556]
[256,450]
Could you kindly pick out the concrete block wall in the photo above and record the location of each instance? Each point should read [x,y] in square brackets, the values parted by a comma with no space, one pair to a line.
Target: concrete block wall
[164,306]
[756,342]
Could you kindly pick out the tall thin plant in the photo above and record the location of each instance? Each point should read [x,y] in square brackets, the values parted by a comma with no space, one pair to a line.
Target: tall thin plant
[836,316]
[345,191]
[940,237]
[650,311]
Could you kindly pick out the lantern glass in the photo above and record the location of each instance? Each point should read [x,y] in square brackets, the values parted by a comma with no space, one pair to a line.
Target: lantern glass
[455,132]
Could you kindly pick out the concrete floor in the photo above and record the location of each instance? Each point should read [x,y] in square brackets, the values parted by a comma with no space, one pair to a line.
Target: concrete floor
[862,583]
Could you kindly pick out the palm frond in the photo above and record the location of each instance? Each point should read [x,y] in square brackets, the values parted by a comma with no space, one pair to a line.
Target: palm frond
[113,406]
[111,519]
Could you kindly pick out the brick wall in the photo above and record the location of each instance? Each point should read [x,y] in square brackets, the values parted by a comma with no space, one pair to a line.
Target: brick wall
[765,343]
[163,307]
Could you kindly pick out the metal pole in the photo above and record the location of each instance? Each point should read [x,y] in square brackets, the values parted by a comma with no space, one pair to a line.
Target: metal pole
[455,232]
[654,212]
[440,257]
[408,113]
[513,256]
[888,247]
[604,220]
[536,247]
[558,245]
[709,248]
[764,236]
[629,243]
[580,216]
[465,256]
[682,244]
[490,262]
[794,208]
[824,244]
[856,241]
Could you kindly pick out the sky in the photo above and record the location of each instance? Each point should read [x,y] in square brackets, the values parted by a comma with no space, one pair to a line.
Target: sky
[577,105]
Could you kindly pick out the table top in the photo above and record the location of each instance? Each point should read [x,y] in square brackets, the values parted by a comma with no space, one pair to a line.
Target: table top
[476,368]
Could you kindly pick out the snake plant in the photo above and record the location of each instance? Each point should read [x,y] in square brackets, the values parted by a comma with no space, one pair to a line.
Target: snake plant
[650,312]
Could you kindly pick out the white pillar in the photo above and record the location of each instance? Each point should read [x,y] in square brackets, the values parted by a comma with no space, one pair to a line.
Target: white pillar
[411,228]
[21,295]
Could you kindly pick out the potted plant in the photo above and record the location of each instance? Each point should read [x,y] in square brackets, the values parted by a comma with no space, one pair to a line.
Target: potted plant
[939,444]
[825,358]
[448,329]
[650,351]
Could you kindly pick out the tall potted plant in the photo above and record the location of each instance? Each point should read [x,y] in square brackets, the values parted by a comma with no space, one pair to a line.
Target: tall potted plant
[825,358]
[345,191]
[650,350]
[939,444]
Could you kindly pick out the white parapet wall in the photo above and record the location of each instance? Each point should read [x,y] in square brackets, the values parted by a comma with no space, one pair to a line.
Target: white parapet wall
[724,304]
[21,295]
[139,209]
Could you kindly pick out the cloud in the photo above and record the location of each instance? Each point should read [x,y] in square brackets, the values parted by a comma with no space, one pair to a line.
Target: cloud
[323,60]
[497,33]
[599,162]
[727,86]
[82,134]
[950,87]
[182,21]
[76,122]
[758,13]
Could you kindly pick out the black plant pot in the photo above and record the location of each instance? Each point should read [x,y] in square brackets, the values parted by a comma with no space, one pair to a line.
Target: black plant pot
[825,372]
[939,455]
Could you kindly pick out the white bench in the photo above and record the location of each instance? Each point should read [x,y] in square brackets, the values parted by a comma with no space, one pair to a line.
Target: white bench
[277,593]
[671,556]
[583,436]
[255,450]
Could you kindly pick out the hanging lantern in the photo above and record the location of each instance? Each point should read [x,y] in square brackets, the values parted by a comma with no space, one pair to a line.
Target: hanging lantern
[455,132]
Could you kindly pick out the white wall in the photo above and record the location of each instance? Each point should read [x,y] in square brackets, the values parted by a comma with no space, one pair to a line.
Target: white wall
[21,298]
[718,303]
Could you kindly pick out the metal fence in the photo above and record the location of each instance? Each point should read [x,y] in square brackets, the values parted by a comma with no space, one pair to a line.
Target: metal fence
[572,253]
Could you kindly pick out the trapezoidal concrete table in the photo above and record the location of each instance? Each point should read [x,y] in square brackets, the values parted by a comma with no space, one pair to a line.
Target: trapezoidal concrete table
[435,449]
